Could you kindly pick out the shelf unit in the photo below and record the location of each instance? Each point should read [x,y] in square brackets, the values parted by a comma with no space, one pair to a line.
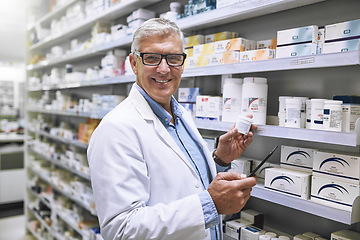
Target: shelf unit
[121,9]
[214,19]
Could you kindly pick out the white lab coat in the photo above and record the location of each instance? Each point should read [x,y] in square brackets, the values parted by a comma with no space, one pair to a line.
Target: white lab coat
[143,185]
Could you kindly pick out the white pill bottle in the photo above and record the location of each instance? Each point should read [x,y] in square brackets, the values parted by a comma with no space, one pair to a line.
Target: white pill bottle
[232,91]
[254,95]
[332,119]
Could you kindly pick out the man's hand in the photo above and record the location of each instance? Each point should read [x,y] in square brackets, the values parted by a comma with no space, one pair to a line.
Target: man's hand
[230,191]
[232,144]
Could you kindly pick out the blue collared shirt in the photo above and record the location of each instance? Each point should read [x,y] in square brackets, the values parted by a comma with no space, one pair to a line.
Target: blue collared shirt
[192,150]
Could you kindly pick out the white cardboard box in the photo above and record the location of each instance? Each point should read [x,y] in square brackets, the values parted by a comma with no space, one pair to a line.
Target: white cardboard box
[233,228]
[341,46]
[337,166]
[296,158]
[297,50]
[251,233]
[294,183]
[209,107]
[342,30]
[298,35]
[241,165]
[334,193]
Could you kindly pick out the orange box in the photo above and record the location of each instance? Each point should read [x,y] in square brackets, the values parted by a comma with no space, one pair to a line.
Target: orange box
[235,44]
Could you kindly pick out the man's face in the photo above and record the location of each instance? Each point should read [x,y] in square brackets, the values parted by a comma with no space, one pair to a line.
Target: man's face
[161,81]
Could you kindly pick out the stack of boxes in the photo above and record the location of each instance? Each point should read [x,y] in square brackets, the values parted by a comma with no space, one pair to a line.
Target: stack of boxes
[335,180]
[297,42]
[265,49]
[225,48]
[327,178]
[249,221]
[342,37]
[214,49]
[187,98]
[138,17]
[309,40]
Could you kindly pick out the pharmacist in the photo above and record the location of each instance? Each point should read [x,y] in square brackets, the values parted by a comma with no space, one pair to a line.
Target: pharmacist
[151,172]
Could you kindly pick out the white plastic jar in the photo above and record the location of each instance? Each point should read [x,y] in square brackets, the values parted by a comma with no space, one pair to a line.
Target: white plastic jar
[243,124]
[264,237]
[303,111]
[232,91]
[284,237]
[317,113]
[282,110]
[332,119]
[271,234]
[293,112]
[254,98]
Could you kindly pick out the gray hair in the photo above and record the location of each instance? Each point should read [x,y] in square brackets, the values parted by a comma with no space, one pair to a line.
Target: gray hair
[155,26]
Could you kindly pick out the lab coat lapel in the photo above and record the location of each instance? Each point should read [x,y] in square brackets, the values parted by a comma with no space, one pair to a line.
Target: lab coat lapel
[147,113]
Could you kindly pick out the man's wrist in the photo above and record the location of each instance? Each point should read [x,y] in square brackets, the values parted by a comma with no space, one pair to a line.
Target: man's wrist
[218,160]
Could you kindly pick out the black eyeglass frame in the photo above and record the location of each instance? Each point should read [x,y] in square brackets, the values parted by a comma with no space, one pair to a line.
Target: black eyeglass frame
[140,54]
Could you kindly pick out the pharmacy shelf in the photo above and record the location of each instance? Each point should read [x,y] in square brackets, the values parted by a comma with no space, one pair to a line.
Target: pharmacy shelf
[215,17]
[37,236]
[121,9]
[11,138]
[93,115]
[308,206]
[72,224]
[237,12]
[53,233]
[61,113]
[100,50]
[57,12]
[39,197]
[311,135]
[63,140]
[92,83]
[59,163]
[66,194]
[279,64]
[60,214]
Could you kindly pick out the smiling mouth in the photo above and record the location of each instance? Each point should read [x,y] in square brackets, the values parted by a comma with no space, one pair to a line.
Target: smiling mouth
[162,81]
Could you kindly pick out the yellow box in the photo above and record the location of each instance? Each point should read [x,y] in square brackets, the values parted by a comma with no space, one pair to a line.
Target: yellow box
[204,49]
[220,36]
[202,61]
[190,62]
[254,55]
[235,44]
[189,52]
[271,43]
[194,40]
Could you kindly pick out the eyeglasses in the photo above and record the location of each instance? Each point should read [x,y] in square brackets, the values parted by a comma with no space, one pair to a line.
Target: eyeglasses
[154,59]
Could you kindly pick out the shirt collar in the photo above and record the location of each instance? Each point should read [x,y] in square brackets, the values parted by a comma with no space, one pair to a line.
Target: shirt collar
[159,111]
